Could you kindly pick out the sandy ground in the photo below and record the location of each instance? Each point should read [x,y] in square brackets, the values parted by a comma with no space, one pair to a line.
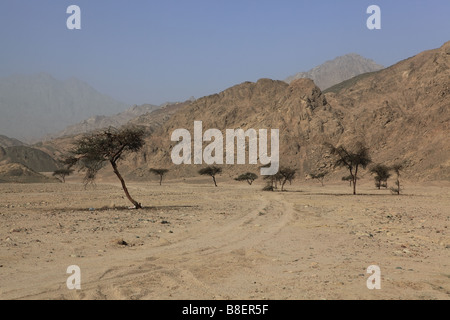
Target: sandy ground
[194,241]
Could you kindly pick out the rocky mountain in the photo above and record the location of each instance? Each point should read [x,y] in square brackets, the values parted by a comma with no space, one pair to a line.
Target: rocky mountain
[300,111]
[32,106]
[402,113]
[23,164]
[340,69]
[157,118]
[32,158]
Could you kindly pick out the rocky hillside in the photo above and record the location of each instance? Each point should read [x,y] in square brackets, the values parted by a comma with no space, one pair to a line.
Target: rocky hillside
[9,142]
[32,158]
[340,69]
[18,173]
[299,110]
[155,119]
[22,164]
[402,113]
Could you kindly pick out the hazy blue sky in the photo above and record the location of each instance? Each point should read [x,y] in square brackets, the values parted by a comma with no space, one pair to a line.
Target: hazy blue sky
[155,51]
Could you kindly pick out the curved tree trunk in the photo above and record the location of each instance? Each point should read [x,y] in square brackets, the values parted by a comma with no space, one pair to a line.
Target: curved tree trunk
[137,205]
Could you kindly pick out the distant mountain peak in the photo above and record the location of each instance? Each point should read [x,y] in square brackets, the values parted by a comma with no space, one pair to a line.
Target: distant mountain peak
[338,70]
[36,105]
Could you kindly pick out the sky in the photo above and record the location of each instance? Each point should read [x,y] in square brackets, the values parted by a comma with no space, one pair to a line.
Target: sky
[145,51]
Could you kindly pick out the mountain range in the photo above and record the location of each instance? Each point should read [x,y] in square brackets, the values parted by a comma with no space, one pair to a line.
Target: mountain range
[401,113]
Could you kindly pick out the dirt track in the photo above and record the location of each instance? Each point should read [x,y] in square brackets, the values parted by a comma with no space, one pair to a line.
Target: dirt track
[230,242]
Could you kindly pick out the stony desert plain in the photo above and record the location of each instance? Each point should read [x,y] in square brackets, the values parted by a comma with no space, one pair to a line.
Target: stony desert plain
[195,241]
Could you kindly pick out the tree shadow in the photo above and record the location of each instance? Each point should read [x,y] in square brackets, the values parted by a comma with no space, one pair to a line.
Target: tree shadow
[339,194]
[349,194]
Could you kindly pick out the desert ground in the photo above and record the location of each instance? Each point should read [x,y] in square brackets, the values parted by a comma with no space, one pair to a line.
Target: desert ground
[194,241]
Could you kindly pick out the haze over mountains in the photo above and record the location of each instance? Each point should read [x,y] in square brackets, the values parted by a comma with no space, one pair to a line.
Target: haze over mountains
[337,70]
[33,106]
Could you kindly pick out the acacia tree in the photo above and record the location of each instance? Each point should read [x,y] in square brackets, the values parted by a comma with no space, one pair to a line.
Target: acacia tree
[250,177]
[348,178]
[211,171]
[381,175]
[397,168]
[62,173]
[351,159]
[160,173]
[319,176]
[272,181]
[93,151]
[287,174]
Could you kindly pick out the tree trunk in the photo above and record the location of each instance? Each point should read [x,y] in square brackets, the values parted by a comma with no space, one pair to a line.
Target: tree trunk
[214,179]
[160,179]
[137,205]
[355,178]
